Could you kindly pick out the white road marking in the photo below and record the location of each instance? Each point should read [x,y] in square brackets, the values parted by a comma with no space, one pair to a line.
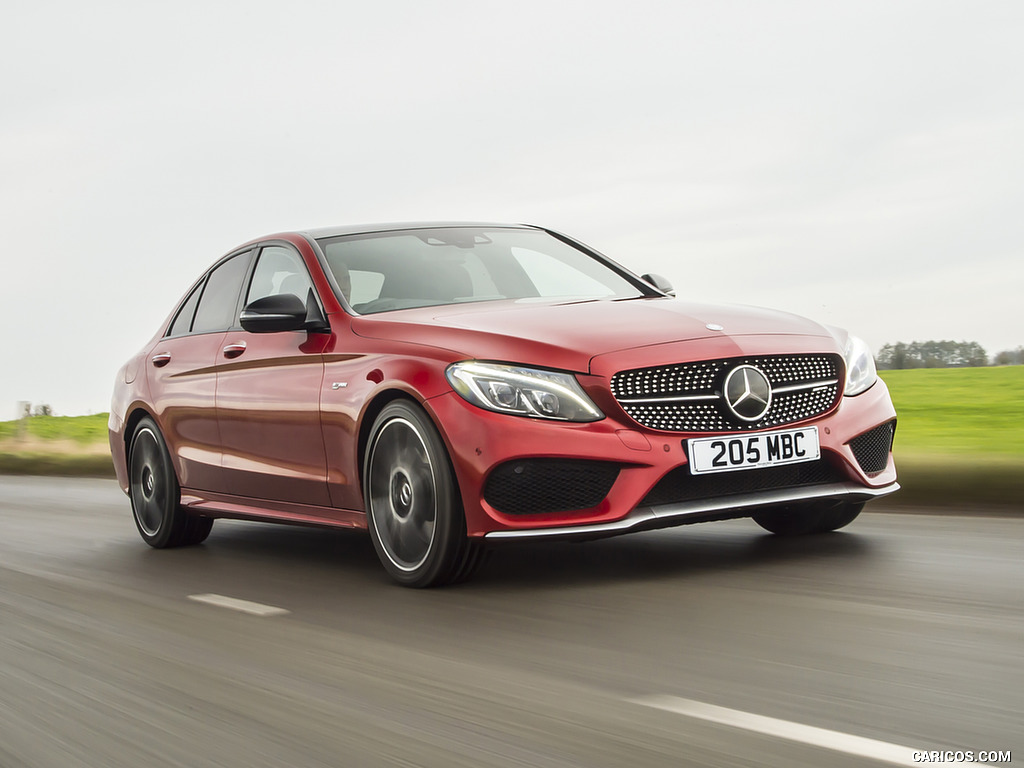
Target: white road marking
[783,729]
[245,606]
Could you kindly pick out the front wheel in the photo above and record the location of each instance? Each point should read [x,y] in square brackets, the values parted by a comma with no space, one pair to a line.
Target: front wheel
[155,494]
[818,517]
[412,502]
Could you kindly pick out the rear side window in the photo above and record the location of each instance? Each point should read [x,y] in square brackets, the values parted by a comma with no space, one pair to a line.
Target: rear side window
[183,322]
[219,301]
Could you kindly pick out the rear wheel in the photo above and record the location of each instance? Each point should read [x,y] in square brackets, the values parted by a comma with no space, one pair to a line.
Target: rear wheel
[413,506]
[155,495]
[820,517]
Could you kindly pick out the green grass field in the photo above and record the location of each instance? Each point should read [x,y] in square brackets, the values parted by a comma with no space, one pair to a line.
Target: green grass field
[960,436]
[78,429]
[959,411]
[56,445]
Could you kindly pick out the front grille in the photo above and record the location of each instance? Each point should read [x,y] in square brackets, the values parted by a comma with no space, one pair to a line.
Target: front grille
[679,485]
[687,397]
[540,486]
[872,448]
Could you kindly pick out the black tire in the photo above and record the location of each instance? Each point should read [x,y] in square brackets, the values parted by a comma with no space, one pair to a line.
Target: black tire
[413,507]
[197,528]
[808,518]
[155,494]
[470,560]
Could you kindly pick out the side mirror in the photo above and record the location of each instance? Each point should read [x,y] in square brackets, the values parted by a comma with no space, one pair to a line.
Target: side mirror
[281,312]
[659,282]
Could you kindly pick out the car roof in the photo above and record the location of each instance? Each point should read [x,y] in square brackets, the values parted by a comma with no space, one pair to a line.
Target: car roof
[364,229]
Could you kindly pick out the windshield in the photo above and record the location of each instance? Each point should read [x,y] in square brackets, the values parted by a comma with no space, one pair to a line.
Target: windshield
[385,271]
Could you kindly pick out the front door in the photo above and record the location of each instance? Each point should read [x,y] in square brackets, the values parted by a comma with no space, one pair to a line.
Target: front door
[268,397]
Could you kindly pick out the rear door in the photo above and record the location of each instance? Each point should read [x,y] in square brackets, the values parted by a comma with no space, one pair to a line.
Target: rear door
[182,374]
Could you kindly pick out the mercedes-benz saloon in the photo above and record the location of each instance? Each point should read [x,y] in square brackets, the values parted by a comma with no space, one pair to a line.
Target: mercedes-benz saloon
[446,385]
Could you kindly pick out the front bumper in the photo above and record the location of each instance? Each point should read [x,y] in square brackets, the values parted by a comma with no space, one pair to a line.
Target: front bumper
[480,442]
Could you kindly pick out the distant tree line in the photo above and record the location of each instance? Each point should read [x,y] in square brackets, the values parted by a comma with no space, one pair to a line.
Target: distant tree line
[942,354]
[1010,357]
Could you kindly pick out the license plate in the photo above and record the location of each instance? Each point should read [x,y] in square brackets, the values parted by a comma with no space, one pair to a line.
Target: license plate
[765,449]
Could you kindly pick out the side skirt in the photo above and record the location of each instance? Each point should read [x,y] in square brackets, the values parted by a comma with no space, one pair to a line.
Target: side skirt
[210,504]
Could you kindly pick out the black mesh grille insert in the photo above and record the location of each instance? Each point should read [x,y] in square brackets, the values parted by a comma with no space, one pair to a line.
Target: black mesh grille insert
[872,448]
[804,386]
[539,486]
[679,485]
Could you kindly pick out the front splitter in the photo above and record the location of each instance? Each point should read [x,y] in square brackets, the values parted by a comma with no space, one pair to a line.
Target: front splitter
[669,515]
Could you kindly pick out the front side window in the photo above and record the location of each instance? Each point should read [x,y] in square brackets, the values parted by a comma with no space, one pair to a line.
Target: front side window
[279,270]
[386,271]
[216,311]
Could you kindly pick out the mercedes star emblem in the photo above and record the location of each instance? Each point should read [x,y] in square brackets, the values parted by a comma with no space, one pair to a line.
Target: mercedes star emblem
[748,394]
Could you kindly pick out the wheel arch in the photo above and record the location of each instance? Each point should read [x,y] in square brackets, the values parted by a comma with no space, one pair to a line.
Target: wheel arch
[137,413]
[373,409]
[460,556]
[370,413]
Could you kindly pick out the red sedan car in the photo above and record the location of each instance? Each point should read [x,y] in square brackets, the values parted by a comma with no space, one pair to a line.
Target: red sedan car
[444,385]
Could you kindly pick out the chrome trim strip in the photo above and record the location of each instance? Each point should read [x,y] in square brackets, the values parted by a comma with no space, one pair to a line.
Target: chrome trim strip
[694,398]
[679,399]
[808,385]
[685,509]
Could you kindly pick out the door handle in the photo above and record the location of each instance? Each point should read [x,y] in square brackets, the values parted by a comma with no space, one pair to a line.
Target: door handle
[161,360]
[234,350]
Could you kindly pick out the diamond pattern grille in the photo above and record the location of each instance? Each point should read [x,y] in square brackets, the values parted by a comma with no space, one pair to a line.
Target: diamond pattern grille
[651,395]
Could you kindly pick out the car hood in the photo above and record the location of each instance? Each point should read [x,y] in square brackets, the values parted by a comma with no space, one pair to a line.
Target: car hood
[569,335]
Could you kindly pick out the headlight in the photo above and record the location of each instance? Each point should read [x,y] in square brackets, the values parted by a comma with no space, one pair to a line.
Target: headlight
[522,391]
[860,367]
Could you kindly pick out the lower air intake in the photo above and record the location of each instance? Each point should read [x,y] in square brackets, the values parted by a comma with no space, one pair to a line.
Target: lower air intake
[542,486]
[872,448]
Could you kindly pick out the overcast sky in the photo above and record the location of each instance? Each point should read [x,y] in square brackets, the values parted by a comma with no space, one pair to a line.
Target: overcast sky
[861,163]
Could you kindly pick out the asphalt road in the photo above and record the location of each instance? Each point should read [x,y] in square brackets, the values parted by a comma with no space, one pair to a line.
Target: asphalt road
[669,648]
